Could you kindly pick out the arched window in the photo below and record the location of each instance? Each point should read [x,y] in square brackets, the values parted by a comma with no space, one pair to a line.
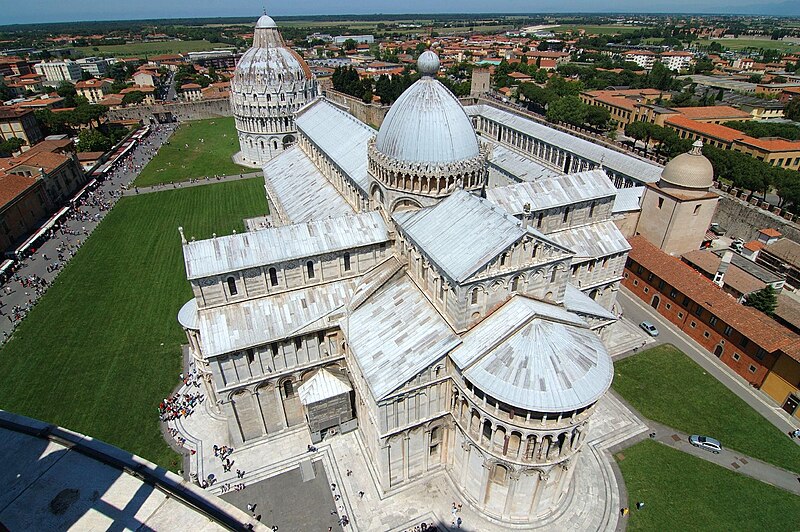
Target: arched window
[269,97]
[273,277]
[288,389]
[591,210]
[566,214]
[474,296]
[310,269]
[232,286]
[514,284]
[503,258]
[347,262]
[262,144]
[274,144]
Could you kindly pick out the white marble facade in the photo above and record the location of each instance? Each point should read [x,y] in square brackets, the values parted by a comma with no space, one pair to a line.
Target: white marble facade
[466,319]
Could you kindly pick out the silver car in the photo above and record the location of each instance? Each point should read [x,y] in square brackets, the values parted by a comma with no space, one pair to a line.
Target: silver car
[649,328]
[704,442]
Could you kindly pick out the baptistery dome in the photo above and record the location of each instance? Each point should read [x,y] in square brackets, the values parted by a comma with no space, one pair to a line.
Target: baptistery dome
[270,82]
[427,122]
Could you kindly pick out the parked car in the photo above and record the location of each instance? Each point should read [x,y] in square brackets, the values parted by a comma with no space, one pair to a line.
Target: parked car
[717,229]
[704,442]
[649,328]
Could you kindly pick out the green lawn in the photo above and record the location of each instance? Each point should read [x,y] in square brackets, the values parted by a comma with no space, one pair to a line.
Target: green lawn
[666,386]
[683,492]
[101,348]
[741,44]
[143,49]
[175,162]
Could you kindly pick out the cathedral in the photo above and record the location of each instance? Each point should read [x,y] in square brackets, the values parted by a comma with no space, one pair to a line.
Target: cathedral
[430,285]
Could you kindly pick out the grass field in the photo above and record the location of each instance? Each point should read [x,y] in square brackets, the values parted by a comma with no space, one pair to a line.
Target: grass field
[666,386]
[175,162]
[741,44]
[683,492]
[142,49]
[102,347]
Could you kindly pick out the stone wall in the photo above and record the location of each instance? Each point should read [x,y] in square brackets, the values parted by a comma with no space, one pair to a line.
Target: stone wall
[369,113]
[180,110]
[742,216]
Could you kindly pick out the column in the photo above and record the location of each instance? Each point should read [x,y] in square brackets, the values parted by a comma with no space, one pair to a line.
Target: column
[513,479]
[426,449]
[465,465]
[484,484]
[406,449]
[537,493]
[282,412]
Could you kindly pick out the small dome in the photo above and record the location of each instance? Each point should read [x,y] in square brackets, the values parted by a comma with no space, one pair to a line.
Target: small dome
[428,64]
[689,170]
[266,22]
[427,124]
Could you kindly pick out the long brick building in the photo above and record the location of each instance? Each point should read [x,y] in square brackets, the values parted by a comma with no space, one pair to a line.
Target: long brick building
[757,348]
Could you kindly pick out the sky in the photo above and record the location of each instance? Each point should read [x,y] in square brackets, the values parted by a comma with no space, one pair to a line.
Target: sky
[15,11]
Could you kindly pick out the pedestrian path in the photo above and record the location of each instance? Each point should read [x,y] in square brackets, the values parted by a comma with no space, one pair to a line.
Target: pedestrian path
[132,191]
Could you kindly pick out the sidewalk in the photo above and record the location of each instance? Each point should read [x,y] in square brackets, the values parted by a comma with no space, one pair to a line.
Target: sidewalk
[133,191]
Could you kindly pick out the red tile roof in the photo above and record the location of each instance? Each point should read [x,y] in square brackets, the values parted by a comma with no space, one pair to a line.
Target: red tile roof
[754,245]
[12,185]
[770,232]
[756,326]
[723,133]
[712,112]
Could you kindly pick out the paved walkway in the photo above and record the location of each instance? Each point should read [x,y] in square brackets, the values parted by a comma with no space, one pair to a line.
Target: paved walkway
[132,191]
[729,459]
[636,311]
[91,215]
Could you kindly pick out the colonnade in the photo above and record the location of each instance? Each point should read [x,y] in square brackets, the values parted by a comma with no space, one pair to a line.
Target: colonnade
[554,156]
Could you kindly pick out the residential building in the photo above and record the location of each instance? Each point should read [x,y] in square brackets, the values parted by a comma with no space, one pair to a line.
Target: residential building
[23,205]
[191,92]
[94,90]
[676,60]
[643,58]
[58,71]
[21,124]
[783,258]
[97,67]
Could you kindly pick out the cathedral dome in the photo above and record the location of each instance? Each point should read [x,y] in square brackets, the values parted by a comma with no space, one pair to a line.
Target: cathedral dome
[689,170]
[427,123]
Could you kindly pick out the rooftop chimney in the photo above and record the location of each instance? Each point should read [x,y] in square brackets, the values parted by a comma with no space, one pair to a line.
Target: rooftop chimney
[723,267]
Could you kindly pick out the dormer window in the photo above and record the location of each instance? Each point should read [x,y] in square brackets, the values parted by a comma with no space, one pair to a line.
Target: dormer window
[232,286]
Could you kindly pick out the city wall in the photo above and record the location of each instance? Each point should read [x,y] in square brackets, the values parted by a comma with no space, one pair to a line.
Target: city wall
[369,113]
[180,110]
[742,216]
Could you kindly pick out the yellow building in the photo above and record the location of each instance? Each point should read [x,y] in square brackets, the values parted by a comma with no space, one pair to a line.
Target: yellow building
[782,383]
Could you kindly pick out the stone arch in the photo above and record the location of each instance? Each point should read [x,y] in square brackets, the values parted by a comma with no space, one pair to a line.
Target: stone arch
[404,204]
[499,439]
[376,193]
[292,408]
[474,422]
[288,140]
[246,415]
[514,444]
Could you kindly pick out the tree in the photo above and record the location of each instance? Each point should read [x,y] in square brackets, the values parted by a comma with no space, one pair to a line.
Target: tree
[350,44]
[660,76]
[11,146]
[792,109]
[765,300]
[93,140]
[597,117]
[569,109]
[638,131]
[133,98]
